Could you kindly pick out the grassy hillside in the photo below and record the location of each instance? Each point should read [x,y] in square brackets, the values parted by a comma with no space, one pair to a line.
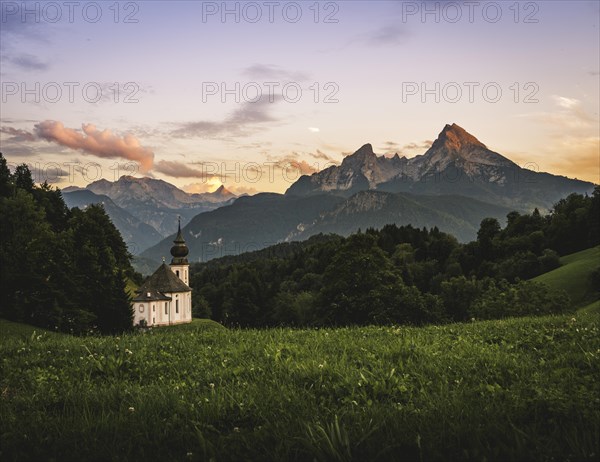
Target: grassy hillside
[517,389]
[574,276]
[15,329]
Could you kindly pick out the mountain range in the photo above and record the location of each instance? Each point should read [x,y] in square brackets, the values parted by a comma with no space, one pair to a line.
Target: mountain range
[456,183]
[145,210]
[456,163]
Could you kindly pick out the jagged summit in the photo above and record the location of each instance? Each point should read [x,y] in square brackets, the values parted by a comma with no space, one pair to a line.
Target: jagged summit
[455,137]
[365,150]
[222,191]
[455,144]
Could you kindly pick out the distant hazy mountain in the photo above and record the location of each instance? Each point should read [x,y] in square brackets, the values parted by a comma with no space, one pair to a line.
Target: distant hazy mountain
[137,235]
[158,203]
[457,163]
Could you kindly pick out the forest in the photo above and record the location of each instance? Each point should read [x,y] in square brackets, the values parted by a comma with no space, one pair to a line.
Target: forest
[61,269]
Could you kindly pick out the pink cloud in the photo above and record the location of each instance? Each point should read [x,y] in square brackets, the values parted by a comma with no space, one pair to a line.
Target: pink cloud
[97,143]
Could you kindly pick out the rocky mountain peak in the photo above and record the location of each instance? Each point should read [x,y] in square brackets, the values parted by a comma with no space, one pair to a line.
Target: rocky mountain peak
[223,191]
[453,137]
[455,144]
[364,154]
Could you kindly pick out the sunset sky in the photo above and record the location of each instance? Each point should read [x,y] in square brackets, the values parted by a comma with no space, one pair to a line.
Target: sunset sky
[107,89]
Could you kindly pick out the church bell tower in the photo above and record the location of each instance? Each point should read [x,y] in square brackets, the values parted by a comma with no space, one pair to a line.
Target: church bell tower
[179,252]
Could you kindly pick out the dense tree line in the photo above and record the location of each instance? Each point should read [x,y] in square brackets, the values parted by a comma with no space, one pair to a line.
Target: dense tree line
[66,269]
[400,274]
[60,269]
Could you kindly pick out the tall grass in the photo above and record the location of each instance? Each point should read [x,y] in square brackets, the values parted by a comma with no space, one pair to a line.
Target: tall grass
[517,389]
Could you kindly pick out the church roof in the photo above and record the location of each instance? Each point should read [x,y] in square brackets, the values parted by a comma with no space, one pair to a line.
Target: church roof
[150,295]
[164,280]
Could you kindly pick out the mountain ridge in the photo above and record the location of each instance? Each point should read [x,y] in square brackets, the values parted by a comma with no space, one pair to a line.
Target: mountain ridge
[456,163]
[157,202]
[239,227]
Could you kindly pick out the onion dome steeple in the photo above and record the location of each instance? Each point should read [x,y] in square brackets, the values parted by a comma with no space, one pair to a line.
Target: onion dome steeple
[179,251]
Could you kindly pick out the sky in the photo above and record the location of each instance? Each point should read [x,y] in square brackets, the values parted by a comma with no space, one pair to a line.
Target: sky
[254,94]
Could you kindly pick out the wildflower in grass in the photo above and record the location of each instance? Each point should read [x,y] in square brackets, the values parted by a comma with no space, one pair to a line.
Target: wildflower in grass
[236,429]
[128,351]
[131,409]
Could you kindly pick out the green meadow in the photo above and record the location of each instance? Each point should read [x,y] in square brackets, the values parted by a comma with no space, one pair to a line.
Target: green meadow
[516,389]
[573,276]
[504,390]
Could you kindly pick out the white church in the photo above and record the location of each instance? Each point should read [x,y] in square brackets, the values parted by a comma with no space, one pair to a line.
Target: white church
[166,297]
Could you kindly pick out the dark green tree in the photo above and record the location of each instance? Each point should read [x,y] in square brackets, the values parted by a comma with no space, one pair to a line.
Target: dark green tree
[6,179]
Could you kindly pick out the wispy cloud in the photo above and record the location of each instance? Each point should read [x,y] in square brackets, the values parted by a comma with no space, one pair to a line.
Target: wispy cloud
[98,143]
[178,169]
[28,62]
[291,162]
[320,155]
[569,114]
[17,135]
[391,147]
[272,72]
[250,118]
[388,35]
